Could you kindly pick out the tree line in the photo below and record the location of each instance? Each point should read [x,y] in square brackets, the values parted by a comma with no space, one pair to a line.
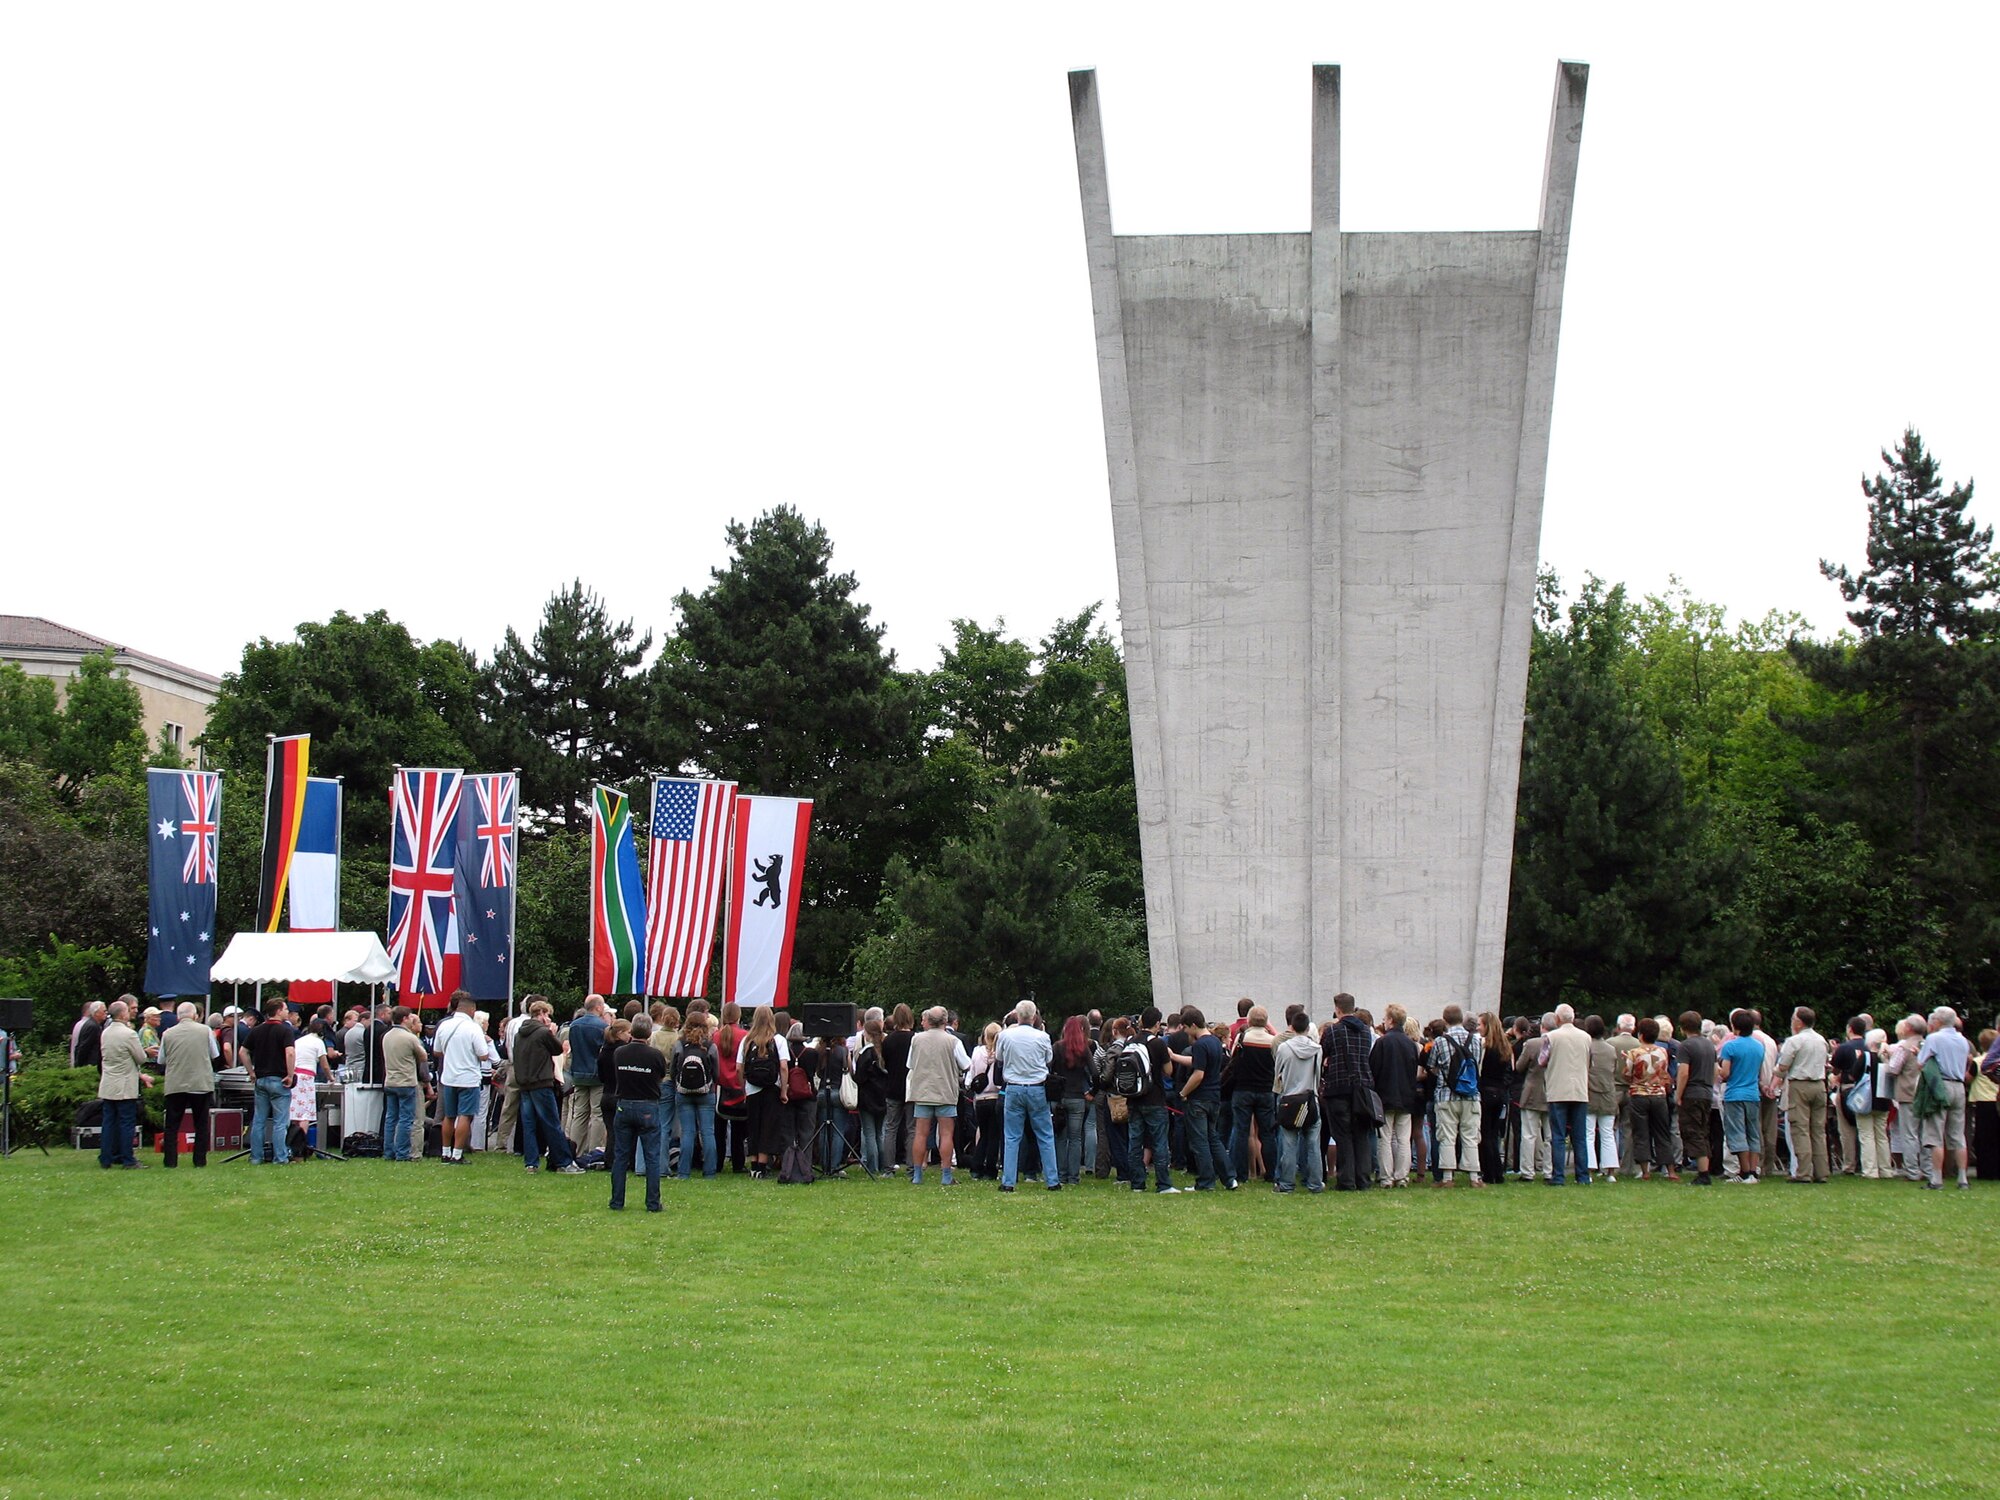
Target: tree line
[1710,813]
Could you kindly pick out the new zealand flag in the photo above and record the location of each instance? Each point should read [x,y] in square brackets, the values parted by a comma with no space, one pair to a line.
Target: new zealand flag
[183,814]
[488,839]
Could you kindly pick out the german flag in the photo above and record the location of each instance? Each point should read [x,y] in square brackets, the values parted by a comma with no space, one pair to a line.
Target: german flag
[284,809]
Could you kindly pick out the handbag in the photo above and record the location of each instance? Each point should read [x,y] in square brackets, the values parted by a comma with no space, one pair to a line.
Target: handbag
[850,1092]
[1367,1106]
[1295,1111]
[1861,1094]
[1119,1108]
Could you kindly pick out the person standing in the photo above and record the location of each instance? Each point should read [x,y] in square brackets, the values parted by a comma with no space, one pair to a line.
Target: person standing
[1024,1054]
[1899,1066]
[1393,1063]
[268,1056]
[1802,1063]
[898,1124]
[465,1055]
[405,1070]
[937,1065]
[1531,1060]
[308,1052]
[1845,1068]
[1982,1103]
[122,1073]
[1942,1135]
[1345,1047]
[1694,1094]
[636,1126]
[1457,1058]
[1650,1143]
[1253,1110]
[1074,1063]
[187,1055]
[1739,1067]
[762,1059]
[86,1042]
[537,1050]
[583,1122]
[1147,1125]
[1200,1089]
[1496,1078]
[1568,1084]
[696,1068]
[1601,1121]
[1295,1085]
[871,1087]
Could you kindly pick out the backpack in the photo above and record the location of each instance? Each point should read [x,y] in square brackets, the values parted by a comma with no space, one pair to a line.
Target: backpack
[1462,1073]
[798,1083]
[1131,1070]
[760,1065]
[691,1074]
[1101,1057]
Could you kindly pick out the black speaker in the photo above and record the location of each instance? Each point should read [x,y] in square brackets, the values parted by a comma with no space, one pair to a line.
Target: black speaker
[16,1016]
[827,1020]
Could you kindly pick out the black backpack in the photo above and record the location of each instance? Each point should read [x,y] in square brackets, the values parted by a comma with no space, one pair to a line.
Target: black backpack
[691,1071]
[760,1066]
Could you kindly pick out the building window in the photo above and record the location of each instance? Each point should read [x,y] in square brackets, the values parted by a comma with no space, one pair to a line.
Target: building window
[176,734]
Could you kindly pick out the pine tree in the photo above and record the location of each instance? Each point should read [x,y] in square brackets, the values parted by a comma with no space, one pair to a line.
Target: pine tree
[571,708]
[777,679]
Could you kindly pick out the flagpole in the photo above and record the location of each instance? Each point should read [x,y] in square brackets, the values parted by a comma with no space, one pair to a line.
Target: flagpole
[728,898]
[596,833]
[514,906]
[210,990]
[395,775]
[339,841]
[264,844]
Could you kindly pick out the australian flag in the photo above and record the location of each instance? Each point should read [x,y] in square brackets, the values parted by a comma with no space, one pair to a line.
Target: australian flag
[183,814]
[488,840]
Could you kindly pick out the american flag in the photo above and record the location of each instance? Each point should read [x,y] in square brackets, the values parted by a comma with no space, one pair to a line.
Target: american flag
[423,849]
[690,839]
[201,795]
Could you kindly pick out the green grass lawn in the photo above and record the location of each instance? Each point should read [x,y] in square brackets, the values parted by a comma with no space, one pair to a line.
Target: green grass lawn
[376,1330]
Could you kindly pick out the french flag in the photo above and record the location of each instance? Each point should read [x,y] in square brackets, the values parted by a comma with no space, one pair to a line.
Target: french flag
[312,895]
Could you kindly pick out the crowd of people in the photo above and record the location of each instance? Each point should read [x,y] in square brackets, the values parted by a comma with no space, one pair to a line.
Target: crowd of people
[1350,1103]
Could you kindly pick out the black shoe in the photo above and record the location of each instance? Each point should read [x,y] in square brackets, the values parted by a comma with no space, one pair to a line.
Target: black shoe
[1702,1179]
[1055,1187]
[616,1208]
[1006,1187]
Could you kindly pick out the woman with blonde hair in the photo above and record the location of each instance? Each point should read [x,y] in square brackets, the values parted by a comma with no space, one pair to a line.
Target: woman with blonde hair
[1496,1071]
[762,1058]
[984,1084]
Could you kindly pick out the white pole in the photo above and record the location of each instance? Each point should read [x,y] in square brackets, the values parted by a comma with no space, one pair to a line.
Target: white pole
[514,906]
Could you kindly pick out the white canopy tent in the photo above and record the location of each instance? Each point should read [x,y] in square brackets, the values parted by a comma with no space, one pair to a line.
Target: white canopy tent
[283,957]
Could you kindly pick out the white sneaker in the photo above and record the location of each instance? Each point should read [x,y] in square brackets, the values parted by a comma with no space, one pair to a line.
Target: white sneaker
[1166,1190]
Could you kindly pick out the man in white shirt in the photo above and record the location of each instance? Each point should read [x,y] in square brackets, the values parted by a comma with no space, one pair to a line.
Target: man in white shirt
[1567,1078]
[464,1055]
[1025,1052]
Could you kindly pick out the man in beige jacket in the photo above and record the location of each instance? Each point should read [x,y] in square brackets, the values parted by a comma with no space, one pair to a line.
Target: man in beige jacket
[118,1085]
[185,1053]
[1567,1079]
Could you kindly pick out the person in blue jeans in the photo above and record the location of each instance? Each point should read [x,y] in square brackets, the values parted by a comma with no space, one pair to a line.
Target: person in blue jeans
[1567,1078]
[1025,1053]
[269,1047]
[1297,1062]
[536,1048]
[1251,1070]
[1201,1097]
[693,1077]
[635,1128]
[1147,1124]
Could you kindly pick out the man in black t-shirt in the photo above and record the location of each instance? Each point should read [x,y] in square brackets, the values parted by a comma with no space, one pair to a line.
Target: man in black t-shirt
[639,1068]
[1848,1063]
[269,1054]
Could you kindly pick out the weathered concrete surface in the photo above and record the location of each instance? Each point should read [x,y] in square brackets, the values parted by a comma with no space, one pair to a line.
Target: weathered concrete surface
[1326,454]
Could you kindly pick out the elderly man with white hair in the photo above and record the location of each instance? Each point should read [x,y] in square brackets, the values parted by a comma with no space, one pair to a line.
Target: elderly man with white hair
[1943,1134]
[1568,1083]
[187,1053]
[938,1066]
[1025,1052]
[1899,1063]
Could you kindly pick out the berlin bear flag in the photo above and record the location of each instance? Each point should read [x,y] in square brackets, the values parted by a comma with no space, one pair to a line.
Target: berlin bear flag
[617,900]
[766,862]
[184,810]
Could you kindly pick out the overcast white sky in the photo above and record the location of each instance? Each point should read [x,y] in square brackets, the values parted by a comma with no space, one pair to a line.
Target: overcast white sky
[433,307]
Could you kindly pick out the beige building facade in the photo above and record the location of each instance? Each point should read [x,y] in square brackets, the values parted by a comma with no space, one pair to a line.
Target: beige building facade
[176,699]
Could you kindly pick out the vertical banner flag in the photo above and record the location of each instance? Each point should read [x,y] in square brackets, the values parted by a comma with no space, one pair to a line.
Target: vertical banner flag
[766,860]
[183,815]
[488,840]
[617,900]
[284,808]
[313,893]
[690,839]
[423,855]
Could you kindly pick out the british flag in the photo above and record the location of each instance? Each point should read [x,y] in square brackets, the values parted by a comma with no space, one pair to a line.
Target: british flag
[423,850]
[201,798]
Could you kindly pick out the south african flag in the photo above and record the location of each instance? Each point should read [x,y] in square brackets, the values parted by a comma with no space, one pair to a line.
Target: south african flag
[617,899]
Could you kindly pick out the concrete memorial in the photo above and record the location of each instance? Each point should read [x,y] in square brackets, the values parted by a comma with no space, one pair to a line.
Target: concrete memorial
[1327,453]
